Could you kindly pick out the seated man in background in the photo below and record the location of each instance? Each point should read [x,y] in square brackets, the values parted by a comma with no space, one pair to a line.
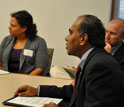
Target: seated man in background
[114,40]
[99,80]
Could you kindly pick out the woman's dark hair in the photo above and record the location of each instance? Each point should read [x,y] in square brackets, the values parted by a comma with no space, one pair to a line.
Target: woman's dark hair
[25,19]
[95,30]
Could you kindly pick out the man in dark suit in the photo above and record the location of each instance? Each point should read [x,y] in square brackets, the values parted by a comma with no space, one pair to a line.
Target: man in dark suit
[99,81]
[114,39]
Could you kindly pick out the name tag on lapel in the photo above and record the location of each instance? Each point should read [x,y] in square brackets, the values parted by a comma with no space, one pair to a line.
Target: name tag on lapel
[28,52]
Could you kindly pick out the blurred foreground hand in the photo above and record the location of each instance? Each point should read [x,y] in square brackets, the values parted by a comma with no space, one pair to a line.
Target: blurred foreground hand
[51,104]
[26,91]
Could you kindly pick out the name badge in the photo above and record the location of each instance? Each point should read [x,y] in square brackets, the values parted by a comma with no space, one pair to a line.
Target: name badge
[28,52]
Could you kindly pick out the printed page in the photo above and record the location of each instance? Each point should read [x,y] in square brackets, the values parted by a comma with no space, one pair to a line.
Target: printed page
[3,72]
[34,101]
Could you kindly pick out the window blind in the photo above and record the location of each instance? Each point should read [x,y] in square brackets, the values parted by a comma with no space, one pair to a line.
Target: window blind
[121,9]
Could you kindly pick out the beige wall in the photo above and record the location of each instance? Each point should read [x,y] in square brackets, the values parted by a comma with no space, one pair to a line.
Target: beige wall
[53,18]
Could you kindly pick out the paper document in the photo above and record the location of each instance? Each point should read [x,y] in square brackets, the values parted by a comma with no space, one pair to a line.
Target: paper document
[3,72]
[32,101]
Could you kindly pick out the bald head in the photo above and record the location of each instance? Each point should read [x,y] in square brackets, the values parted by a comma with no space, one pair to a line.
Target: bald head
[115,32]
[118,20]
[118,24]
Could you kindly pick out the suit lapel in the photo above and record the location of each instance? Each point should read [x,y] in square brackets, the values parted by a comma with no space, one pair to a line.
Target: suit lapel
[81,74]
[93,53]
[22,56]
[9,48]
[90,56]
[120,51]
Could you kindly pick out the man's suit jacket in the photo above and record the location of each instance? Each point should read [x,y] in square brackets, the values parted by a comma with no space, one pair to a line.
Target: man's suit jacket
[119,55]
[38,59]
[99,84]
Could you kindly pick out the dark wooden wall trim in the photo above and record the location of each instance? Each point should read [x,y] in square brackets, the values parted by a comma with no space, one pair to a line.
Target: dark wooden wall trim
[112,9]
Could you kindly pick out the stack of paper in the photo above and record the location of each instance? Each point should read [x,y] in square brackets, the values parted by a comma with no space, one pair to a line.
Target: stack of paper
[3,72]
[30,101]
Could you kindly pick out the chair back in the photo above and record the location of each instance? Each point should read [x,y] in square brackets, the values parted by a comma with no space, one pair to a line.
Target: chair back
[50,55]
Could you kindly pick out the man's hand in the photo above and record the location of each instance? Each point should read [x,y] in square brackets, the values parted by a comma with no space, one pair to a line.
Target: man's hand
[51,104]
[108,48]
[26,91]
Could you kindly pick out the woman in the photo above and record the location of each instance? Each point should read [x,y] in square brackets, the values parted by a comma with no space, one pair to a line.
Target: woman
[23,51]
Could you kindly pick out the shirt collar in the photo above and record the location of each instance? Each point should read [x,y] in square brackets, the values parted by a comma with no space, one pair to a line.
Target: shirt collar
[114,49]
[84,57]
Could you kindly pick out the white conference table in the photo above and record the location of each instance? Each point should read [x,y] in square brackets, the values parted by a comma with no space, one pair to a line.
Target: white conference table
[10,82]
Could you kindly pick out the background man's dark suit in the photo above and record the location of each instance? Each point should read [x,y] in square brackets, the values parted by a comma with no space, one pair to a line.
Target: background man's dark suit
[99,84]
[119,55]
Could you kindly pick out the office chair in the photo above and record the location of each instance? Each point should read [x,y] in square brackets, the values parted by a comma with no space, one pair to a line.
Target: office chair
[50,55]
